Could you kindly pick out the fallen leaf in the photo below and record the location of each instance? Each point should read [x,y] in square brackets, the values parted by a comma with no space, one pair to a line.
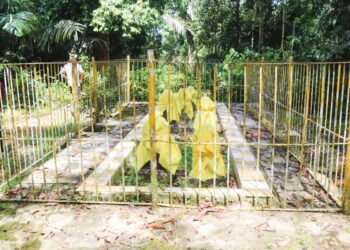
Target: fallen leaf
[155,226]
[49,236]
[125,244]
[171,220]
[36,211]
[260,225]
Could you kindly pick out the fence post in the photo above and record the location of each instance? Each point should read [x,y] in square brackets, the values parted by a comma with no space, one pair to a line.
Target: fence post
[94,89]
[75,94]
[346,193]
[152,125]
[128,79]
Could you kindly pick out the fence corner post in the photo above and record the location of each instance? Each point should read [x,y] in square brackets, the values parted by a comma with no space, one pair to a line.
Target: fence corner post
[346,192]
[152,125]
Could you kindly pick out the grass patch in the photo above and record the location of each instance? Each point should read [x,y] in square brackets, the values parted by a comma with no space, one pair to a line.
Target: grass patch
[31,244]
[305,241]
[7,209]
[8,229]
[157,244]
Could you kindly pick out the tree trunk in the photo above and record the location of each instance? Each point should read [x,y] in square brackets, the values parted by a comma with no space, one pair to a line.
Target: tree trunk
[293,36]
[260,29]
[190,51]
[238,22]
[283,26]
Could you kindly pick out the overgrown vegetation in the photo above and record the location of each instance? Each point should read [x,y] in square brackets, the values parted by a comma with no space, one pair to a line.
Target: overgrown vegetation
[37,30]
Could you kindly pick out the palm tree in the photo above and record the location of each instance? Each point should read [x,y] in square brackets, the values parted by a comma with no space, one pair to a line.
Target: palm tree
[71,32]
[183,27]
[15,19]
[62,32]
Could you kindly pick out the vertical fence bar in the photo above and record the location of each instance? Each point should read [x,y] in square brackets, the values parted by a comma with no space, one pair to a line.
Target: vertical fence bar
[306,115]
[274,127]
[169,135]
[346,194]
[184,78]
[345,133]
[75,95]
[128,78]
[94,89]
[229,120]
[215,130]
[289,122]
[199,79]
[152,125]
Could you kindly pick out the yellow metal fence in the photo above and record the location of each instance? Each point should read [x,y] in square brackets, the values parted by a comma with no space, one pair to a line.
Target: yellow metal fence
[173,133]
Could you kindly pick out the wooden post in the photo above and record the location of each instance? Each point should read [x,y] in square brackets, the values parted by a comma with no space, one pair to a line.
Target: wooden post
[94,89]
[76,110]
[152,125]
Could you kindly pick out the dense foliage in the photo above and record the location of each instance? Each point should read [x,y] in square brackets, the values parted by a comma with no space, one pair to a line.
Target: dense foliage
[44,30]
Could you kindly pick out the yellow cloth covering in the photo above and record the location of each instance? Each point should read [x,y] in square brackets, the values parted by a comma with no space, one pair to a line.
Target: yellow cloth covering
[169,153]
[185,97]
[204,154]
[206,114]
[164,105]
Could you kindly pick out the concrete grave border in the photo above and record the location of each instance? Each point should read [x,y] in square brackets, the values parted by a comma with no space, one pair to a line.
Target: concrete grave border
[251,181]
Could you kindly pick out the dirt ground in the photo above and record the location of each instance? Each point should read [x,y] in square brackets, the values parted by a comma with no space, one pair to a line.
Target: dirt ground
[53,226]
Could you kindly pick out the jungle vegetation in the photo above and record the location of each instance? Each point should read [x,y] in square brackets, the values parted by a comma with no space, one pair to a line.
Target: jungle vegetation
[45,30]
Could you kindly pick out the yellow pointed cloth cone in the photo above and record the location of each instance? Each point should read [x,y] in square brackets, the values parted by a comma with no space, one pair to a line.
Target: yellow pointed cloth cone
[205,156]
[205,114]
[173,106]
[185,97]
[169,152]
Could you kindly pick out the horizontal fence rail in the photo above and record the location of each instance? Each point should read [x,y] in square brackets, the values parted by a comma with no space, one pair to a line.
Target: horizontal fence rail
[176,133]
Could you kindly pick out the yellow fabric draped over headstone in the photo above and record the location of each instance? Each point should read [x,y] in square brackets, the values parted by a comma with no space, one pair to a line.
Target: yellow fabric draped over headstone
[205,114]
[185,97]
[205,156]
[169,152]
[169,105]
